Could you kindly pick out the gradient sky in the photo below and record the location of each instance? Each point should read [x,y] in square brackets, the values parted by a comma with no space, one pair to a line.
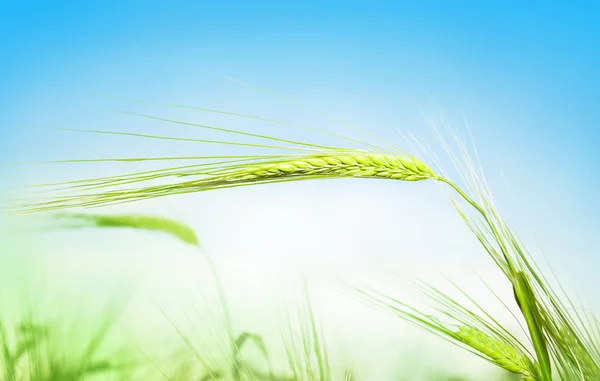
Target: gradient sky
[523,74]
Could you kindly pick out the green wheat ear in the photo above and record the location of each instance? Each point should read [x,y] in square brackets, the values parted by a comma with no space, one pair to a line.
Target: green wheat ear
[133,221]
[349,164]
[505,356]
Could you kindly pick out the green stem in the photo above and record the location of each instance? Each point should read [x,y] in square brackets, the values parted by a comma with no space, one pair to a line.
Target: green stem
[510,266]
[523,292]
[226,312]
[528,306]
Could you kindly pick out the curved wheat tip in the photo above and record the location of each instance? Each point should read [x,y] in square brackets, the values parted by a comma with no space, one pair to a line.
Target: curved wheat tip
[363,164]
[502,354]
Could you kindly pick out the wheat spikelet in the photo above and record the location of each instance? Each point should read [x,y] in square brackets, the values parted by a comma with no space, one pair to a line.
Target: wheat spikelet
[501,353]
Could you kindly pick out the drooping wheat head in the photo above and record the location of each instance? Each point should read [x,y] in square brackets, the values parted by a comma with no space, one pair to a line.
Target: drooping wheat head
[357,164]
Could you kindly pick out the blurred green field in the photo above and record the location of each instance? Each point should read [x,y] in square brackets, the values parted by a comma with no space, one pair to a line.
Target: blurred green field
[53,330]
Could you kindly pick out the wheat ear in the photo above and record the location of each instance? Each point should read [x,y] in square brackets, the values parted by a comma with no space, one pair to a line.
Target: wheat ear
[504,355]
[373,165]
[362,164]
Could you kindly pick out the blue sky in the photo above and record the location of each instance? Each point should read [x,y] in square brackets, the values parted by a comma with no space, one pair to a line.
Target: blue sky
[524,74]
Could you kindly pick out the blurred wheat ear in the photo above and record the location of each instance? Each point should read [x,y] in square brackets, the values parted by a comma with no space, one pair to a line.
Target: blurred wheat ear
[181,231]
